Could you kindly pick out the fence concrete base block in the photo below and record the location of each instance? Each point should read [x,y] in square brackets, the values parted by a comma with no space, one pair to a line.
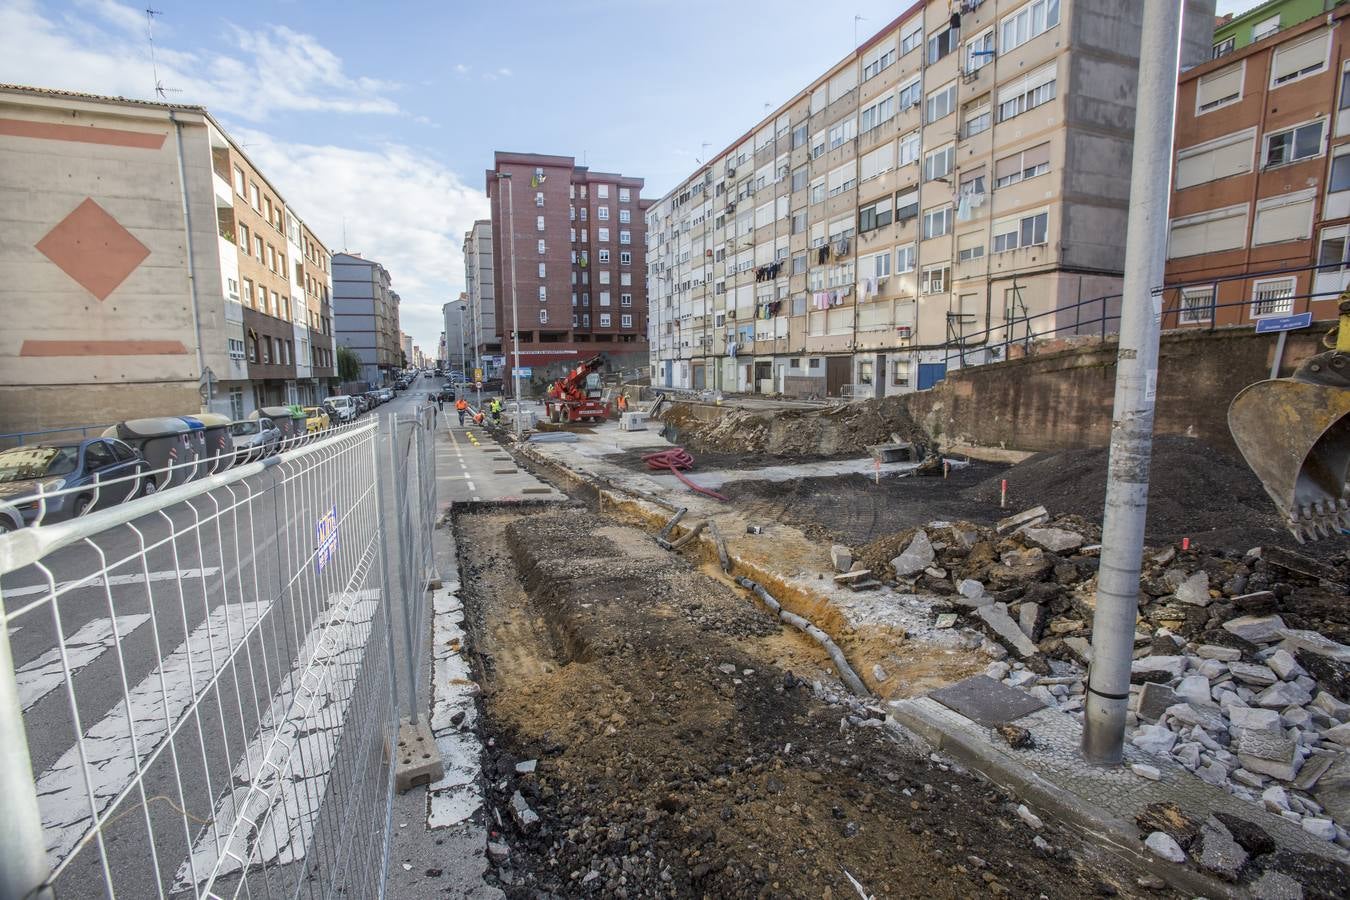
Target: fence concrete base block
[417,759]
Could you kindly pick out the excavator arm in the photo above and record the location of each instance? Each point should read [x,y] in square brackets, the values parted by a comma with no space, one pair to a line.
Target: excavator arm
[1295,434]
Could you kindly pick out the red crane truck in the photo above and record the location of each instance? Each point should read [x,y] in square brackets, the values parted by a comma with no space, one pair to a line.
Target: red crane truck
[578,395]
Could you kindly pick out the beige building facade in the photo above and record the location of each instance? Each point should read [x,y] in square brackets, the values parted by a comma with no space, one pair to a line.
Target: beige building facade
[129,291]
[952,189]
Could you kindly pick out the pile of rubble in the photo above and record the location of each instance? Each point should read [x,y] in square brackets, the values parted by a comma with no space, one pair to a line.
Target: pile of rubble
[1240,673]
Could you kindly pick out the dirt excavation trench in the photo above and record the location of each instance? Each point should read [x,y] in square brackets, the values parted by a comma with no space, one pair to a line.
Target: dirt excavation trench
[651,731]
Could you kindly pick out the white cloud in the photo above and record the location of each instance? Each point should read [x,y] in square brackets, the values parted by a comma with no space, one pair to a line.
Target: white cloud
[461,68]
[505,73]
[401,208]
[274,70]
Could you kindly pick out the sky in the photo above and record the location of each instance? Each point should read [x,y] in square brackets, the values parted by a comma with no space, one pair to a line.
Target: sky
[378,121]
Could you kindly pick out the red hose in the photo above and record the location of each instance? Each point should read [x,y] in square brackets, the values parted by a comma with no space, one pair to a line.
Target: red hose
[674,460]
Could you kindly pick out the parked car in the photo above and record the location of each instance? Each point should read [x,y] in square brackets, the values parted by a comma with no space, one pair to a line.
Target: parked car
[255,438]
[339,409]
[106,466]
[386,394]
[10,518]
[316,419]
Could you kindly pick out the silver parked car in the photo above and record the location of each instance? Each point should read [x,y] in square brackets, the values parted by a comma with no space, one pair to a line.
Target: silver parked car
[255,438]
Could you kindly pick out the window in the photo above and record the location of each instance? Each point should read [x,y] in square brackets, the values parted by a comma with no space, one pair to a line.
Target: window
[878,161]
[941,103]
[625,257]
[585,211]
[818,144]
[538,223]
[625,216]
[1032,20]
[939,163]
[936,278]
[604,320]
[625,299]
[1299,59]
[543,317]
[940,43]
[585,320]
[904,258]
[1026,93]
[817,191]
[1287,217]
[625,195]
[248,291]
[604,276]
[1265,28]
[625,237]
[937,221]
[256,197]
[842,132]
[909,95]
[541,246]
[1302,142]
[602,235]
[258,247]
[1232,154]
[969,247]
[876,266]
[1021,166]
[267,351]
[1197,304]
[876,215]
[626,320]
[907,205]
[1219,89]
[602,192]
[1273,297]
[877,60]
[975,117]
[909,149]
[602,255]
[1224,47]
[236,349]
[604,298]
[539,198]
[541,270]
[842,179]
[980,51]
[798,222]
[1208,232]
[881,111]
[1333,248]
[601,213]
[1027,231]
[911,36]
[232,288]
[243,238]
[799,264]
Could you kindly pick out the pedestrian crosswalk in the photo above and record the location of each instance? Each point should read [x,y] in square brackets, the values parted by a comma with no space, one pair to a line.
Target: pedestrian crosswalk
[45,674]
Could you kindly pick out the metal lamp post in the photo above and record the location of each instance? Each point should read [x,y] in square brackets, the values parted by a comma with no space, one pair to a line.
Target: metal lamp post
[515,309]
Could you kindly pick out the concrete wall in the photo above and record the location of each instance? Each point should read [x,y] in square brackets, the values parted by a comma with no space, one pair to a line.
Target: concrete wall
[1064,399]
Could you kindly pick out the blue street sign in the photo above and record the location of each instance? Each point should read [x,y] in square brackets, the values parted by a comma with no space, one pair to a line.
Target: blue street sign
[525,371]
[1283,323]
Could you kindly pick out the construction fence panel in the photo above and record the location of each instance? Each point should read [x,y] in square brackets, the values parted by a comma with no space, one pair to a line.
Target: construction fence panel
[197,687]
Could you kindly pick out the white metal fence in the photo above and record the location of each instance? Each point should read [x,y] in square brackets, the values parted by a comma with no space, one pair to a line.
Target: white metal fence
[198,692]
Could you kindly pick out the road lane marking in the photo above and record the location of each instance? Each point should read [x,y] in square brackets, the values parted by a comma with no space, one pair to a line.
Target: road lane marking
[112,581]
[152,707]
[282,803]
[43,675]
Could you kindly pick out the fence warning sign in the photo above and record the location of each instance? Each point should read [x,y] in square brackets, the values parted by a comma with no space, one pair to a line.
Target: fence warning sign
[326,538]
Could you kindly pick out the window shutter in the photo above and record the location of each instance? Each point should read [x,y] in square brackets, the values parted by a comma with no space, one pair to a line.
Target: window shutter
[1222,229]
[1035,156]
[1285,218]
[1296,56]
[1229,155]
[1008,165]
[1219,85]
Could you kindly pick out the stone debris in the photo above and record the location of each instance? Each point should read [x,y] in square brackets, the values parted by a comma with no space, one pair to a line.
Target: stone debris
[525,817]
[1217,852]
[1164,847]
[917,557]
[841,558]
[1053,540]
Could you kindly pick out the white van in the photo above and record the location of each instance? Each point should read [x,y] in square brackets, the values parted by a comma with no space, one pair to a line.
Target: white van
[345,406]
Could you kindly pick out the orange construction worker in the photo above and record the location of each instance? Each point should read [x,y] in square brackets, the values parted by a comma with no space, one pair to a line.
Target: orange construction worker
[461,407]
[478,418]
[623,403]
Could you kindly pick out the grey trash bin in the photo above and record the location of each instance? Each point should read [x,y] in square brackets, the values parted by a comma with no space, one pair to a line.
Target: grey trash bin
[164,441]
[196,439]
[219,444]
[281,417]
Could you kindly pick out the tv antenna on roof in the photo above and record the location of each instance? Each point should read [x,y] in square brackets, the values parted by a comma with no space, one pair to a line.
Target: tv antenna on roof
[160,90]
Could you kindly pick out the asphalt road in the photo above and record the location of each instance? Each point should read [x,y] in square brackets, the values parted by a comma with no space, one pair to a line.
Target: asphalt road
[195,640]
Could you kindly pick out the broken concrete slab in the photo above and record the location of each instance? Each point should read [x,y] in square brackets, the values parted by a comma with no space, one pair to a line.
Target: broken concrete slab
[1194,591]
[1156,739]
[525,817]
[1080,647]
[1267,751]
[1171,666]
[1256,629]
[1296,639]
[1194,689]
[916,557]
[1214,651]
[1007,630]
[1253,717]
[1031,619]
[1154,701]
[1282,662]
[1053,540]
[1217,852]
[1253,673]
[1332,790]
[1282,694]
[1314,767]
[841,558]
[985,701]
[1033,516]
[971,593]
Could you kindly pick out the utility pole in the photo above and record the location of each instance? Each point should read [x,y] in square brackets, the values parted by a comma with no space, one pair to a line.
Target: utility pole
[1108,688]
[515,310]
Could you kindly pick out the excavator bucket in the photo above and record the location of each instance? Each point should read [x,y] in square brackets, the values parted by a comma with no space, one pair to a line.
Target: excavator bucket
[1295,435]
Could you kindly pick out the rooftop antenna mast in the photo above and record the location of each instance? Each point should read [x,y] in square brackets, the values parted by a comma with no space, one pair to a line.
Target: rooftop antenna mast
[160,90]
[856,20]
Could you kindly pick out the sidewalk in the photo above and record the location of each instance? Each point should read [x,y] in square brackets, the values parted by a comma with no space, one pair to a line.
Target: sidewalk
[440,837]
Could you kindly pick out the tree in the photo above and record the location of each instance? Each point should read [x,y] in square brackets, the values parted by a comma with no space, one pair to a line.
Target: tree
[403,360]
[348,364]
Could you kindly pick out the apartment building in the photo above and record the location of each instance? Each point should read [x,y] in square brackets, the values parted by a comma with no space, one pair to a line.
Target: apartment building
[313,271]
[365,316]
[576,262]
[1238,30]
[480,285]
[954,187]
[1260,214]
[147,262]
[459,344]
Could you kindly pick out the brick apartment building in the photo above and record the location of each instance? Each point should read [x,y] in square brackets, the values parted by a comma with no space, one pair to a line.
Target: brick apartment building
[1261,184]
[578,265]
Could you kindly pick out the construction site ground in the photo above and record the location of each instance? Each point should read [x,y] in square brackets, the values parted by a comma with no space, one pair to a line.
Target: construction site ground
[650,731]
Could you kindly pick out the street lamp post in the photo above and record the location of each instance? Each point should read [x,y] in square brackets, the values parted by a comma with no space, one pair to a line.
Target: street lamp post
[515,310]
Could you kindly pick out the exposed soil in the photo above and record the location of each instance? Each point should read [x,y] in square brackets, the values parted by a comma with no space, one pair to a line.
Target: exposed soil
[713,460]
[682,750]
[855,509]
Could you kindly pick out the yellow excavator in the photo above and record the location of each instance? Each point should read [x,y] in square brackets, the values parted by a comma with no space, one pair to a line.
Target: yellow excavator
[1295,434]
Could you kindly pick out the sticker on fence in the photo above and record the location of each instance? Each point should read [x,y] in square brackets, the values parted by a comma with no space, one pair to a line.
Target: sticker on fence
[326,536]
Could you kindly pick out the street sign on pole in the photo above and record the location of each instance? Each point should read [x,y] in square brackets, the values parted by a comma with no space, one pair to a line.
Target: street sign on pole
[477,374]
[1273,324]
[525,371]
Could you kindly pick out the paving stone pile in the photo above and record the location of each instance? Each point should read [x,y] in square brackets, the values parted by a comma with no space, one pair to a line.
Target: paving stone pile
[1240,672]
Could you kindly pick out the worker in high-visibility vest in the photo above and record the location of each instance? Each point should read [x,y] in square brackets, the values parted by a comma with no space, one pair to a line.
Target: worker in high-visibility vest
[461,407]
[495,407]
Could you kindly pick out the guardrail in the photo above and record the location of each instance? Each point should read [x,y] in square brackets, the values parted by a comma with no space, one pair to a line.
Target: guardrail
[197,687]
